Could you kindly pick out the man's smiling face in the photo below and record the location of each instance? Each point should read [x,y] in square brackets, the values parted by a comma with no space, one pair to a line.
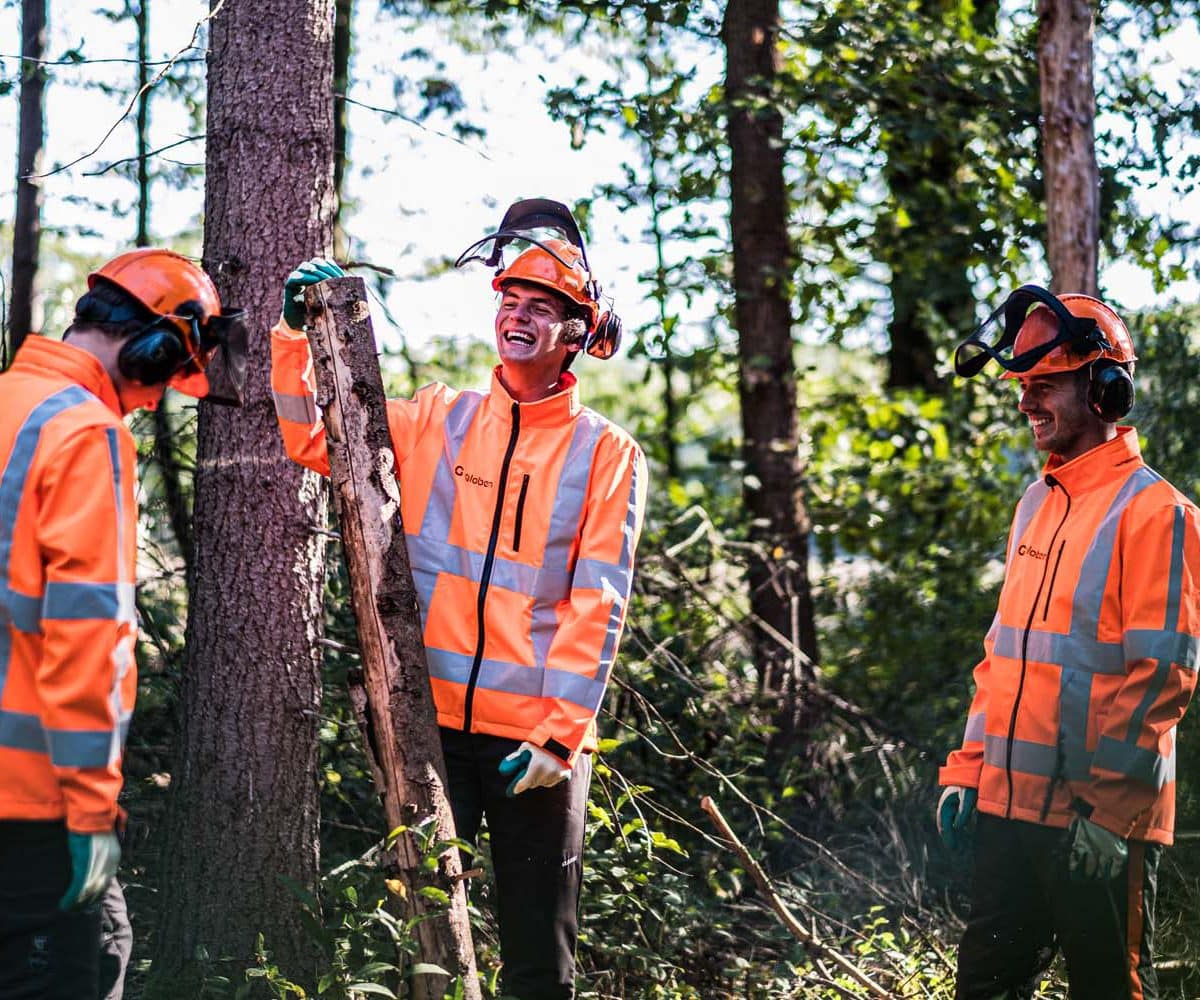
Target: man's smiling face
[1058,413]
[531,327]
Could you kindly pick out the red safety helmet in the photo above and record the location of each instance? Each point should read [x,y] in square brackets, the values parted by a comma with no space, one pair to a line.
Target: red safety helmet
[1042,326]
[186,305]
[1034,332]
[558,266]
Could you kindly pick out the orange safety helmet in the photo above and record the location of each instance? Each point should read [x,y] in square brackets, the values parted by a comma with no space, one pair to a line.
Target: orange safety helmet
[1035,332]
[185,303]
[558,266]
[1042,326]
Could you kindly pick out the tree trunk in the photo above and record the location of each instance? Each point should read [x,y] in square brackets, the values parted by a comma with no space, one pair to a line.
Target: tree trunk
[1069,144]
[243,818]
[343,21]
[27,225]
[141,17]
[780,597]
[401,722]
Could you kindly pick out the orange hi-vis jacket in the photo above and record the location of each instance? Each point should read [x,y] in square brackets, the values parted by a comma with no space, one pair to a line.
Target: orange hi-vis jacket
[68,537]
[1091,659]
[521,521]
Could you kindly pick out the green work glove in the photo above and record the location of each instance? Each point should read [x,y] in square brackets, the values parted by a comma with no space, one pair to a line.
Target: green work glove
[531,767]
[1094,853]
[310,272]
[94,859]
[954,811]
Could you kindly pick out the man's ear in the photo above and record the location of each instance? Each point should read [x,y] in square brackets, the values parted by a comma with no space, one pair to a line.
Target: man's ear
[574,333]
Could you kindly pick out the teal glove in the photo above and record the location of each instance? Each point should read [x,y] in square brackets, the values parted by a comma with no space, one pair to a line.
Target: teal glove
[1094,853]
[531,767]
[311,272]
[94,859]
[954,812]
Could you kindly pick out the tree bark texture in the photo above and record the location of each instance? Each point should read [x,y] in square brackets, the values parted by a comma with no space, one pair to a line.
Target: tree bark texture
[403,732]
[343,21]
[243,817]
[1065,29]
[27,223]
[780,596]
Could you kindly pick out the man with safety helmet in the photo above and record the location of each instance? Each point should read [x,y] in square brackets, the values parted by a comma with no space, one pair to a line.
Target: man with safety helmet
[522,510]
[1070,745]
[68,535]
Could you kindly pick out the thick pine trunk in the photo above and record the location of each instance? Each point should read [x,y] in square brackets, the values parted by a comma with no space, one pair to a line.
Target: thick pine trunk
[343,36]
[780,597]
[27,224]
[244,804]
[1065,29]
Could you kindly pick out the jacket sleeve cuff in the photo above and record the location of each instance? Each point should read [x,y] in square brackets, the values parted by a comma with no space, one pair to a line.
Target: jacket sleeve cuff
[962,775]
[286,333]
[94,822]
[552,746]
[1113,823]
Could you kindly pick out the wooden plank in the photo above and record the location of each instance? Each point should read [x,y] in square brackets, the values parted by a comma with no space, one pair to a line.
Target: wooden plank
[403,734]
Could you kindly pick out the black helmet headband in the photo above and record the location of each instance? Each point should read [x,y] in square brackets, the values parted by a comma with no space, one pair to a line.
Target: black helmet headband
[1077,333]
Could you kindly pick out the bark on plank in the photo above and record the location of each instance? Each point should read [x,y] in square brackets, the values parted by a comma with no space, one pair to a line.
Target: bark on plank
[403,732]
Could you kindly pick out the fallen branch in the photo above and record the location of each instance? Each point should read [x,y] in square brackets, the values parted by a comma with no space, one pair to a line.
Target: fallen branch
[789,920]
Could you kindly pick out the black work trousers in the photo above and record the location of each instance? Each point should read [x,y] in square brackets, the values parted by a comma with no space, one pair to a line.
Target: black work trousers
[45,954]
[537,854]
[1024,907]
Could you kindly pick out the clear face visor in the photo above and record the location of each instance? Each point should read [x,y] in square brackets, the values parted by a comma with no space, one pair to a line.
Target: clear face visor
[532,222]
[216,372]
[996,337]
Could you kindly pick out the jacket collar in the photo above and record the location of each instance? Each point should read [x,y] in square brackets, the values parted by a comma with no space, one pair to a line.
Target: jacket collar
[552,411]
[39,355]
[1112,460]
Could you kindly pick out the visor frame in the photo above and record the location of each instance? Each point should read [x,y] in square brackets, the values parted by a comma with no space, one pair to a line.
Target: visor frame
[1075,333]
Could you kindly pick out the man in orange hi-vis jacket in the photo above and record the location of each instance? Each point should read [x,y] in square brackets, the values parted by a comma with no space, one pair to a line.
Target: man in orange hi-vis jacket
[68,535]
[522,509]
[1070,745]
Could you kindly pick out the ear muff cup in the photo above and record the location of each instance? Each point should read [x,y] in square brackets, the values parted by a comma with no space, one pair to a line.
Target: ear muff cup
[152,355]
[603,341]
[1110,390]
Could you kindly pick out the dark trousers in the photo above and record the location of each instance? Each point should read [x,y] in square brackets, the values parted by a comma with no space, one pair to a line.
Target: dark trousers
[537,854]
[44,954]
[1024,907]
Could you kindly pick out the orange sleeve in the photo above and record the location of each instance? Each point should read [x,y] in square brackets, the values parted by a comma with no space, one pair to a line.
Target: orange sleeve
[590,626]
[293,385]
[1135,749]
[86,679]
[964,764]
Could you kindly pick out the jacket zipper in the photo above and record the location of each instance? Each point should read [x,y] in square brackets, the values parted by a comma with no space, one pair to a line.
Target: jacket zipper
[520,514]
[489,560]
[1012,722]
[1054,576]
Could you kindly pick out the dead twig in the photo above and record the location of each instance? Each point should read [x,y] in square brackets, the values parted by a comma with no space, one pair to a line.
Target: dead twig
[797,929]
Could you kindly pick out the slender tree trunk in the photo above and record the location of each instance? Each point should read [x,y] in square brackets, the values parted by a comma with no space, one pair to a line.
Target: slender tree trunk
[670,435]
[342,37]
[141,17]
[27,225]
[780,596]
[243,820]
[1065,30]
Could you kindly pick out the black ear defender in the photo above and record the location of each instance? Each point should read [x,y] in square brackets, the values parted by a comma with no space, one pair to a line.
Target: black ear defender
[1110,390]
[158,351]
[603,341]
[152,355]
